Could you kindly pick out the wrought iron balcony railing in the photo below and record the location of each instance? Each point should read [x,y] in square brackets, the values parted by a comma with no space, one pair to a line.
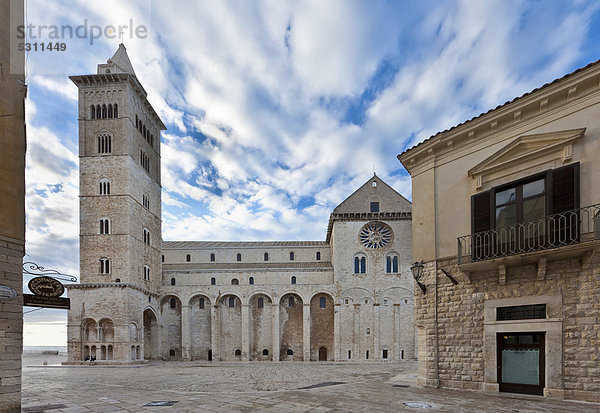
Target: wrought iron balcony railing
[553,231]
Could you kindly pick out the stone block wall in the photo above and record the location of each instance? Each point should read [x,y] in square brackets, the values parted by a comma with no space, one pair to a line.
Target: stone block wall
[459,341]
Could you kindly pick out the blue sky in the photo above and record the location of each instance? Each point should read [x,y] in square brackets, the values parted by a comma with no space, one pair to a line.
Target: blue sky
[276,110]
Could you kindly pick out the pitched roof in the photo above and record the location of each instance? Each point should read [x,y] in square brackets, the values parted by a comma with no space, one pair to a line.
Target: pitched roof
[503,105]
[375,186]
[121,60]
[172,245]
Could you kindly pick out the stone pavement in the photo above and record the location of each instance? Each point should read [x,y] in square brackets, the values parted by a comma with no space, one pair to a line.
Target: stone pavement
[258,387]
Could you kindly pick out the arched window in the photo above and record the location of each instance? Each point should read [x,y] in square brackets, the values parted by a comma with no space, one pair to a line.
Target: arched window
[213,281]
[238,352]
[104,226]
[116,111]
[261,302]
[318,255]
[93,112]
[146,235]
[146,273]
[239,257]
[292,256]
[188,258]
[162,258]
[291,301]
[266,256]
[235,281]
[118,280]
[391,264]
[172,353]
[201,303]
[293,279]
[104,143]
[110,111]
[360,264]
[265,352]
[98,112]
[231,302]
[104,186]
[212,257]
[104,266]
[173,281]
[322,302]
[104,112]
[144,160]
[289,352]
[251,281]
[146,201]
[173,303]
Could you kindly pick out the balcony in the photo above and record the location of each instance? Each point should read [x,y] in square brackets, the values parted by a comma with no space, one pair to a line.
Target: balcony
[570,228]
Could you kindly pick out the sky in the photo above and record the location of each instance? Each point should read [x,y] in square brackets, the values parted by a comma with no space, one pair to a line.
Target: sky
[277,110]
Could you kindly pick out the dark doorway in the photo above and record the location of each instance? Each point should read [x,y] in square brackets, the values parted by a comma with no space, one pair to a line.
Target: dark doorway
[521,362]
[209,355]
[322,354]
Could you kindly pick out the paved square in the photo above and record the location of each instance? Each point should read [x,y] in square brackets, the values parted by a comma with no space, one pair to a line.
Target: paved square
[257,387]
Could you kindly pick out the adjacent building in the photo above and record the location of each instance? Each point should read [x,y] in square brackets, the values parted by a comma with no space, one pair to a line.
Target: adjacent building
[507,224]
[349,297]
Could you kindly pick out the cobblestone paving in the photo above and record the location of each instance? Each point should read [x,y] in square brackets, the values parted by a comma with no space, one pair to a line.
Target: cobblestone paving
[258,387]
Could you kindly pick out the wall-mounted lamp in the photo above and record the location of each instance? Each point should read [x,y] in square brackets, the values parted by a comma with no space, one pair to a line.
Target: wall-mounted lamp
[417,272]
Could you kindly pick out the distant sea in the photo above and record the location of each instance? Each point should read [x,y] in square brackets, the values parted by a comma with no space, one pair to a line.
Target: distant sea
[41,349]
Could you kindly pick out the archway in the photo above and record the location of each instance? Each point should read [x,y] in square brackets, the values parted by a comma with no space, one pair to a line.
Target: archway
[200,327]
[322,354]
[230,327]
[150,335]
[321,325]
[171,320]
[261,330]
[291,327]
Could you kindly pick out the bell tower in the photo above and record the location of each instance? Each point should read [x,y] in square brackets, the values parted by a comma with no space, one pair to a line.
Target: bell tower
[120,214]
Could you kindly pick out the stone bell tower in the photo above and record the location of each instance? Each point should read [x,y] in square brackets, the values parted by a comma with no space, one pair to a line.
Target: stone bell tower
[120,216]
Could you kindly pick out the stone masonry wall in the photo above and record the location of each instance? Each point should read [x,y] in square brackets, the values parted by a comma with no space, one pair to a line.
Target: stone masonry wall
[460,311]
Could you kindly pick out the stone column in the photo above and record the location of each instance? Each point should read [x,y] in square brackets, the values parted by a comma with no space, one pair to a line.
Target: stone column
[356,332]
[214,331]
[306,331]
[275,326]
[397,350]
[376,356]
[186,341]
[245,332]
[337,333]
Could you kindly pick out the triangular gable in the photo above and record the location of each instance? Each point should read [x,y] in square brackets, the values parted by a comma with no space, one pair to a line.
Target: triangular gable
[119,63]
[390,200]
[526,149]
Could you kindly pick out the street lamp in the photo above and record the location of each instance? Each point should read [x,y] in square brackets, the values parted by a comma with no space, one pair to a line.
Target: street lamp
[417,272]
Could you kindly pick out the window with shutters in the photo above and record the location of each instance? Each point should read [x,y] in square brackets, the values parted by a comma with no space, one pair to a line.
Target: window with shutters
[536,212]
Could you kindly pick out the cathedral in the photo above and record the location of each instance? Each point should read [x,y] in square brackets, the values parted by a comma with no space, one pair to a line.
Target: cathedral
[349,297]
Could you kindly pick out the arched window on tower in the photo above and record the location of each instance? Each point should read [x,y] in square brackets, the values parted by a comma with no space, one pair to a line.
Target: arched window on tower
[212,257]
[251,281]
[146,273]
[110,111]
[266,256]
[104,266]
[188,258]
[173,282]
[104,112]
[213,281]
[239,257]
[146,236]
[98,112]
[293,279]
[318,255]
[104,143]
[104,186]
[104,226]
[93,112]
[116,111]
[292,256]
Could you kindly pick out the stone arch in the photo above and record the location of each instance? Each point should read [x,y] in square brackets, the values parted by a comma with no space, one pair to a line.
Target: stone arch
[106,330]
[350,293]
[89,330]
[261,326]
[134,332]
[230,325]
[171,322]
[150,320]
[329,293]
[291,326]
[200,326]
[259,292]
[398,314]
[321,324]
[358,316]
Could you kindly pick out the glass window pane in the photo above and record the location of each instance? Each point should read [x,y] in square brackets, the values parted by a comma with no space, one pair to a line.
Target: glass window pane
[534,208]
[506,216]
[521,366]
[503,197]
[533,188]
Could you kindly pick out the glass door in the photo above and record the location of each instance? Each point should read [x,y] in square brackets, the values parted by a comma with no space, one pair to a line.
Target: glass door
[521,362]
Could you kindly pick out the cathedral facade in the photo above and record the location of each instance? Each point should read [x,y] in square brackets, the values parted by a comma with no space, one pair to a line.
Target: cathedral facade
[349,297]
